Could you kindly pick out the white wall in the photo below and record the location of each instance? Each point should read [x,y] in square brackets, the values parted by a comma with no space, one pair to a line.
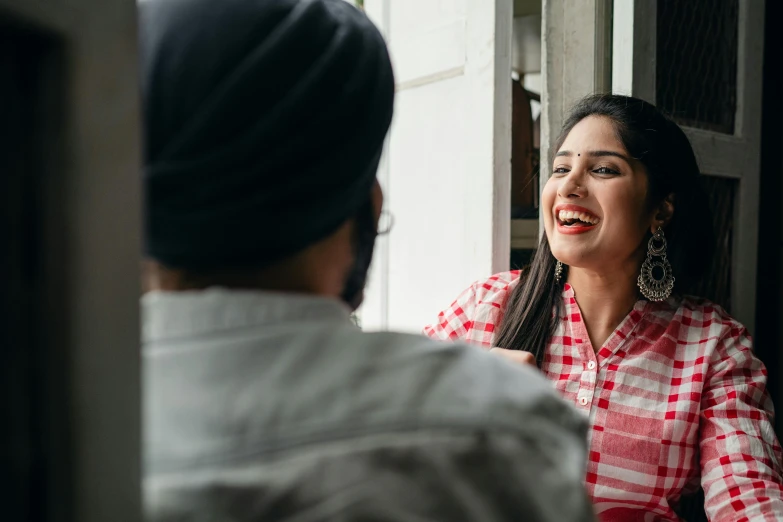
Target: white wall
[447,167]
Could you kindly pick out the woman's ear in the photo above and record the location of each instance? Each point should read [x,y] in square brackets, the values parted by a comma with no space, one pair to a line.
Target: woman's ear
[664,213]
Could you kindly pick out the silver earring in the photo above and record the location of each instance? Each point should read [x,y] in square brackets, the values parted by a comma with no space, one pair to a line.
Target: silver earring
[652,287]
[558,271]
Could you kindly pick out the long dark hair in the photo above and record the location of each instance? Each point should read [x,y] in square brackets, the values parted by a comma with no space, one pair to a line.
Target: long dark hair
[532,310]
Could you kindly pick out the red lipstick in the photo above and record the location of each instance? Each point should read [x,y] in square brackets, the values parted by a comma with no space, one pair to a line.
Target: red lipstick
[581,226]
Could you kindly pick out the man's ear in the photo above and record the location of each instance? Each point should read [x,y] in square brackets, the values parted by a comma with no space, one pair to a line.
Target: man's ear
[664,213]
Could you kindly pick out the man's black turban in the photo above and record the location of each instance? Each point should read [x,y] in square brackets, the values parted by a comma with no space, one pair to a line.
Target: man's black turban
[264,122]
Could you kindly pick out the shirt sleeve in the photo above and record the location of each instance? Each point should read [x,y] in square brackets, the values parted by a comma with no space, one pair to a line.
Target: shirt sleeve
[455,321]
[740,454]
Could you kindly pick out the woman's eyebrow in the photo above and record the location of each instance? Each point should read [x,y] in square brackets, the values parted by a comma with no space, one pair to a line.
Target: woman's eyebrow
[595,154]
[604,153]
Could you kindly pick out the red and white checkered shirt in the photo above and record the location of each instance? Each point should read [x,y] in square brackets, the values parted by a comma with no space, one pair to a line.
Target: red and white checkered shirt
[675,397]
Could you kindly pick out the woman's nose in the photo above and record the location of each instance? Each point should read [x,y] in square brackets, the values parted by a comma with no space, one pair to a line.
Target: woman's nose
[572,186]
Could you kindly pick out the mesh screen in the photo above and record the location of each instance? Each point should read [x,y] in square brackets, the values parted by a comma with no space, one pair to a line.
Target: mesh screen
[716,284]
[696,64]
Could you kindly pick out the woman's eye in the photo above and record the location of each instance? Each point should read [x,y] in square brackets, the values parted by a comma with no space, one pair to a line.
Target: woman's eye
[560,170]
[605,170]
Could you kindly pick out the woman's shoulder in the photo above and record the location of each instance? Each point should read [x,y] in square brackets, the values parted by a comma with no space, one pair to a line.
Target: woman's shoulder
[474,313]
[729,345]
[698,312]
[702,330]
[706,308]
[496,288]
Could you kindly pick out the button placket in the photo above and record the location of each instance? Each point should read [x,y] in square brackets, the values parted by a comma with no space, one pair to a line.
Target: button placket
[588,377]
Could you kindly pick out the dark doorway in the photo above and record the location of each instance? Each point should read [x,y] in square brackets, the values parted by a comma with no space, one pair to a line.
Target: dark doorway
[31,387]
[769,322]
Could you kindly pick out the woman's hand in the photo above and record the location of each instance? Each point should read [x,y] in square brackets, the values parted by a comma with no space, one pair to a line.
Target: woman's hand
[517,356]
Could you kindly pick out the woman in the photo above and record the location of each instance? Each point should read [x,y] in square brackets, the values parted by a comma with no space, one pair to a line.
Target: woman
[674,393]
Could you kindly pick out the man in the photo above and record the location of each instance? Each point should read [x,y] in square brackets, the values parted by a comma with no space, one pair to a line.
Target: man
[264,124]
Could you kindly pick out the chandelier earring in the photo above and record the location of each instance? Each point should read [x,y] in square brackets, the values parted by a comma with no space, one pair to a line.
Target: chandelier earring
[656,280]
[558,271]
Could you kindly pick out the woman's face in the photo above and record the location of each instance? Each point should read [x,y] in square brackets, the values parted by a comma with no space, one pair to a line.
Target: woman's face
[594,204]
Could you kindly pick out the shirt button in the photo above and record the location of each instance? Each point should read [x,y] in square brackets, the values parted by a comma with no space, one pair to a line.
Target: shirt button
[583,401]
[591,365]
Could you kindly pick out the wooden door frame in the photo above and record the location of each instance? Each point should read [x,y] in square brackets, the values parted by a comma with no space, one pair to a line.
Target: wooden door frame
[91,238]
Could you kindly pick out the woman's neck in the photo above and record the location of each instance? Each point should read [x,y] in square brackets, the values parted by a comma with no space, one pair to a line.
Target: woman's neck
[604,299]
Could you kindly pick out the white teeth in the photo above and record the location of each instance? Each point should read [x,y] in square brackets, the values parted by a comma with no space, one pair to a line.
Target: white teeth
[565,215]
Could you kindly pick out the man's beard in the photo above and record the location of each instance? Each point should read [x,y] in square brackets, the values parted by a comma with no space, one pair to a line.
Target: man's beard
[365,232]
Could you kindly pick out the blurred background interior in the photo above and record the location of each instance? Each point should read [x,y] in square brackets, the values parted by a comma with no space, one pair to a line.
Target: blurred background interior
[482,90]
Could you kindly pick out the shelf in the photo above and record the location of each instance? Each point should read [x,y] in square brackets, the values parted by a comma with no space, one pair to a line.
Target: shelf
[524,234]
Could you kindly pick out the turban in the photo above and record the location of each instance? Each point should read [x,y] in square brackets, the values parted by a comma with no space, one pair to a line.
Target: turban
[264,122]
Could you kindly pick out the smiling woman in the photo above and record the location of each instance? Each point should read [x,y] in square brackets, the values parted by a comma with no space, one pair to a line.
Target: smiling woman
[621,161]
[674,393]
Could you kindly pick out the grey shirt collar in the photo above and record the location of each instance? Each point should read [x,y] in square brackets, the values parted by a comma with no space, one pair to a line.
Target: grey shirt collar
[172,315]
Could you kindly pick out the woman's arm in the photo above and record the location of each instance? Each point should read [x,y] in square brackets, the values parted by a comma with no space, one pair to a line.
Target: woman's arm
[742,476]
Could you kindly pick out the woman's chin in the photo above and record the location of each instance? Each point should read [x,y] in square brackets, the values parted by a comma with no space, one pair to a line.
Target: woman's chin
[574,256]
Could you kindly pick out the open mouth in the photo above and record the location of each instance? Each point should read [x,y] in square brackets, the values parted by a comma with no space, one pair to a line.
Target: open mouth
[572,219]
